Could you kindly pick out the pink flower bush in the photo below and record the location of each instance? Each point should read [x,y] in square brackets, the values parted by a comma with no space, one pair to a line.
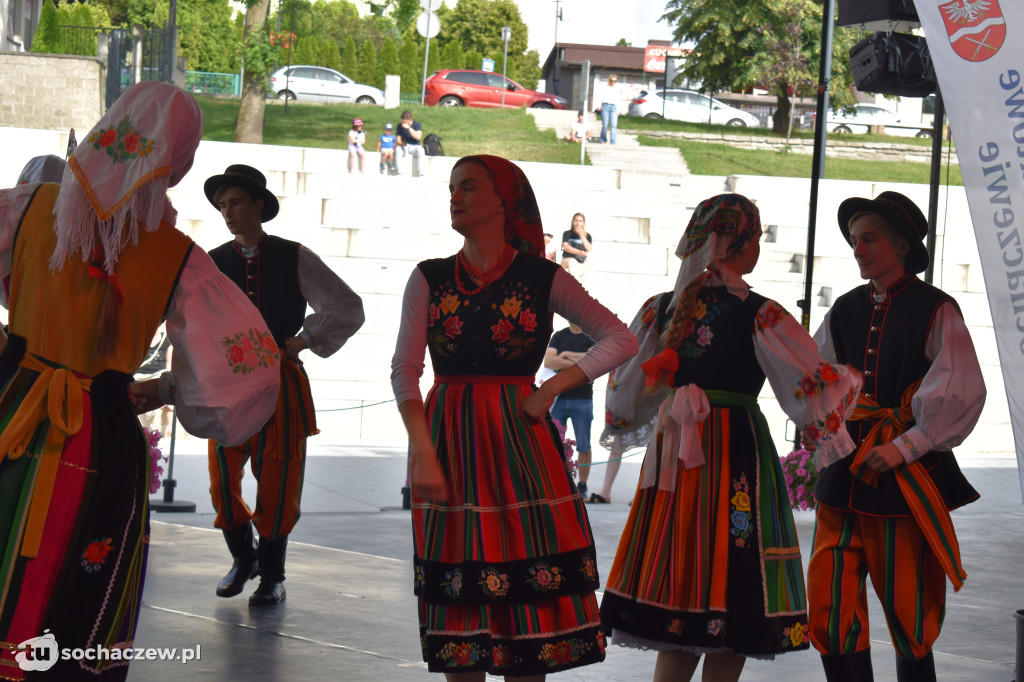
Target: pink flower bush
[567,446]
[155,458]
[801,476]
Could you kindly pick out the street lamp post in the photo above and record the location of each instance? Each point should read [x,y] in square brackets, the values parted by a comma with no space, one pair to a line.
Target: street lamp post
[506,35]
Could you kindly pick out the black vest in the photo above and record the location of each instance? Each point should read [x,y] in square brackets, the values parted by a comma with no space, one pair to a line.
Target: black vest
[501,330]
[886,341]
[270,279]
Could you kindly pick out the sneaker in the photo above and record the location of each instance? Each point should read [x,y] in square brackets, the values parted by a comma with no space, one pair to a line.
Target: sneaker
[582,487]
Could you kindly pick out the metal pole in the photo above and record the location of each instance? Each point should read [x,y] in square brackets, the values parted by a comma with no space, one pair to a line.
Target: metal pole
[426,56]
[506,33]
[169,504]
[288,73]
[818,164]
[933,189]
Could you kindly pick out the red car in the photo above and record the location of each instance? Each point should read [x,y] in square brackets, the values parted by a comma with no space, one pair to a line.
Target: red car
[464,87]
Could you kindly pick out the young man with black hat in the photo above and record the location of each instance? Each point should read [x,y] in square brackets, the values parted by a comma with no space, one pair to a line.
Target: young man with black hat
[884,512]
[280,277]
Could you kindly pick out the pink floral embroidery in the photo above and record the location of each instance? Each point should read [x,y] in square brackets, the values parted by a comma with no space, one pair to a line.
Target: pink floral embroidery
[122,142]
[770,315]
[247,351]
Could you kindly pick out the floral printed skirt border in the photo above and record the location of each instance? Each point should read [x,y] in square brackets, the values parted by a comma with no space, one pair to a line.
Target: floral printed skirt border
[506,571]
[713,564]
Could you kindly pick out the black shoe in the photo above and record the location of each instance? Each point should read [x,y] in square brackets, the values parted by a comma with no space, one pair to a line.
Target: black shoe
[582,487]
[917,670]
[848,667]
[269,592]
[246,565]
[271,589]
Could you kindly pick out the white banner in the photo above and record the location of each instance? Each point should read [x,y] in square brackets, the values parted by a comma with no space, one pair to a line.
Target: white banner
[978,49]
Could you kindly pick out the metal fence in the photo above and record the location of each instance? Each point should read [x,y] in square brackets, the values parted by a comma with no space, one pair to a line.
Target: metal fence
[80,40]
[208,83]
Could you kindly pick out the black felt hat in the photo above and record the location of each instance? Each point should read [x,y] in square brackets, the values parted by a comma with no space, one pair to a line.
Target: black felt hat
[247,177]
[900,212]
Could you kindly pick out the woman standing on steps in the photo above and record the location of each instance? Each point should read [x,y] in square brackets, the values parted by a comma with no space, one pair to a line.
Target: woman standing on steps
[504,562]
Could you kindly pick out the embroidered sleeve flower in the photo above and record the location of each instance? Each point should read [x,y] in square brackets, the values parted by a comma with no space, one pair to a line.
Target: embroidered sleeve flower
[770,315]
[248,351]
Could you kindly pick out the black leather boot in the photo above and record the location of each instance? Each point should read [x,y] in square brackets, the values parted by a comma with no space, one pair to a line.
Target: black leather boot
[848,667]
[915,670]
[271,589]
[245,567]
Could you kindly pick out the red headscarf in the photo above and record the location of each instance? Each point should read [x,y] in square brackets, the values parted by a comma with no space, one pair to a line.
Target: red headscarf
[523,228]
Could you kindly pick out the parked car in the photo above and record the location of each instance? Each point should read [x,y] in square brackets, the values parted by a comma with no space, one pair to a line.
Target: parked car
[860,117]
[687,105]
[320,84]
[465,87]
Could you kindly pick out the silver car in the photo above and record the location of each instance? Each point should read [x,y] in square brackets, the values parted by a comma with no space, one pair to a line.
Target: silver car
[860,117]
[320,84]
[690,106]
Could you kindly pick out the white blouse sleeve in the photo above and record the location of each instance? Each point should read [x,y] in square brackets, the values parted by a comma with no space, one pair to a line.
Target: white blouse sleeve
[817,395]
[225,366]
[631,412]
[411,348]
[949,401]
[613,342]
[337,310]
[13,203]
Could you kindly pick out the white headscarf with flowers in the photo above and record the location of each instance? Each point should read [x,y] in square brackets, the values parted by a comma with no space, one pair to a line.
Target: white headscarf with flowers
[117,179]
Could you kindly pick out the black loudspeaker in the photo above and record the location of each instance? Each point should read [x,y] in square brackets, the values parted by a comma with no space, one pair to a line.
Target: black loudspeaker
[893,64]
[875,15]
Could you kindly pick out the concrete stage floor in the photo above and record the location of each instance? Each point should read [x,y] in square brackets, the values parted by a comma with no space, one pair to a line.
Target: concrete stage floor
[350,613]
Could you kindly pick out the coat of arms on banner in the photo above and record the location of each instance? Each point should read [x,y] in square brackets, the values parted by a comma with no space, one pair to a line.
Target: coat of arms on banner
[976,27]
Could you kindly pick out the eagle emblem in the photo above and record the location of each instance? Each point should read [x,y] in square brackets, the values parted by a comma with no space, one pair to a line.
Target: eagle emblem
[976,28]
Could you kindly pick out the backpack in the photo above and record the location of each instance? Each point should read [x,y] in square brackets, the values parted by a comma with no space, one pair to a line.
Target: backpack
[432,145]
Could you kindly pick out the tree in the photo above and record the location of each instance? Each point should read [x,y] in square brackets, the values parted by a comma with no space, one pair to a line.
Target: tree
[48,38]
[367,72]
[786,70]
[733,42]
[349,58]
[388,64]
[473,59]
[259,58]
[330,55]
[452,57]
[206,35]
[411,65]
[476,26]
[306,51]
[402,12]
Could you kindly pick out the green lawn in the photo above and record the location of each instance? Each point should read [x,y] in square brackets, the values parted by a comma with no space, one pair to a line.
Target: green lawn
[705,158]
[510,133]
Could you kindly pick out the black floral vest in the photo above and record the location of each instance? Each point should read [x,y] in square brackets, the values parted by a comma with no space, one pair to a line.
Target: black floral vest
[502,330]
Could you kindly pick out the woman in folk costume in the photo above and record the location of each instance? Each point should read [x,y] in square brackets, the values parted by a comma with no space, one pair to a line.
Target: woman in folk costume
[504,559]
[94,264]
[708,562]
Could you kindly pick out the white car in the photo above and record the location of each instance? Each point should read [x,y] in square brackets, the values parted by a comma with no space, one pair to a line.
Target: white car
[860,117]
[320,84]
[690,106]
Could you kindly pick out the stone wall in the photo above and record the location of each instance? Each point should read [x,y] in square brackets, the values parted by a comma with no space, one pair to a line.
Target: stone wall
[51,92]
[852,149]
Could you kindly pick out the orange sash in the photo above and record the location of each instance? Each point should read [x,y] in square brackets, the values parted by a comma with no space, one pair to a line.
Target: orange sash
[925,502]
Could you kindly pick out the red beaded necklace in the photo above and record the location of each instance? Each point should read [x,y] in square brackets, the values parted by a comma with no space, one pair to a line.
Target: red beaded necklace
[492,273]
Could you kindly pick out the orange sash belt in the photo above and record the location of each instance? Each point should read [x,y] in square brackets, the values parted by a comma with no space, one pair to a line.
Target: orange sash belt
[925,502]
[295,409]
[56,395]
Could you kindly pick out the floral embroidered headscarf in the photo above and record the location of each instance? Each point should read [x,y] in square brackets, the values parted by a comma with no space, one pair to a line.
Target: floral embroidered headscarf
[720,226]
[117,178]
[523,228]
[48,168]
